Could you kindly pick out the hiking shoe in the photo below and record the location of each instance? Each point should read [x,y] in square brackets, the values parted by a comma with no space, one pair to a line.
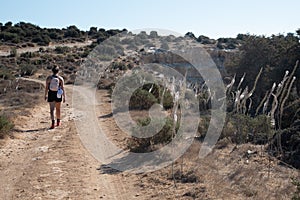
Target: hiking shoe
[58,123]
[52,126]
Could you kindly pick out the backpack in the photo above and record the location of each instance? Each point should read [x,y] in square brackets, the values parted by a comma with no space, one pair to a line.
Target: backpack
[54,83]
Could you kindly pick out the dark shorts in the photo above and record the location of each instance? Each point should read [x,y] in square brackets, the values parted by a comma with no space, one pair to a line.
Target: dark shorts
[52,96]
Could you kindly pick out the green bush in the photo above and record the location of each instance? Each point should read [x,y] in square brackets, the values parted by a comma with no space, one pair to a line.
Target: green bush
[157,91]
[5,126]
[13,52]
[168,100]
[142,35]
[153,34]
[164,135]
[119,65]
[296,182]
[141,99]
[72,31]
[28,70]
[53,35]
[85,53]
[42,40]
[6,36]
[62,50]
[70,58]
[145,96]
[286,144]
[29,55]
[5,73]
[203,125]
[244,128]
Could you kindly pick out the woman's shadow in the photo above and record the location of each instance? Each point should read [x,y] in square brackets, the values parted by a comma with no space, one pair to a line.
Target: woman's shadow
[31,130]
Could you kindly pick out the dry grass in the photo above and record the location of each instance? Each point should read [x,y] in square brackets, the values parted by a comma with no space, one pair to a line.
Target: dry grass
[18,97]
[229,172]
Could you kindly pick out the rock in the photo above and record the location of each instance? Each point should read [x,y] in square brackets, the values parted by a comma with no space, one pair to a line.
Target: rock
[36,158]
[55,162]
[57,138]
[43,149]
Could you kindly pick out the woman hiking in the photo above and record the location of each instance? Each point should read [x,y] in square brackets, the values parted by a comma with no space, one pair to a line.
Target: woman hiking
[55,94]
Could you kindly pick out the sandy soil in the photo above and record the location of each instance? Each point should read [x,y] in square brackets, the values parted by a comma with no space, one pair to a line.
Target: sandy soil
[38,163]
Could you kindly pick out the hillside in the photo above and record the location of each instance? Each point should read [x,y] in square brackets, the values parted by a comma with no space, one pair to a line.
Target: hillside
[258,151]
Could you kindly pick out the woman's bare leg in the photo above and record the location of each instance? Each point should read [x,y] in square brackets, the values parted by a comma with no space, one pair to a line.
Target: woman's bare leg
[52,106]
[57,107]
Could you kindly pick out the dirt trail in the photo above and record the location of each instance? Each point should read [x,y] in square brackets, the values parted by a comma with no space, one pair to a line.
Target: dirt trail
[39,163]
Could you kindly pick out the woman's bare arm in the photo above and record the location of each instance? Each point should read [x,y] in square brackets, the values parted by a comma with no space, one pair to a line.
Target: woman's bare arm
[47,87]
[63,88]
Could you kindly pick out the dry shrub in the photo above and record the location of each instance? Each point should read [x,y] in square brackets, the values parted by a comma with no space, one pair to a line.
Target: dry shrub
[5,125]
[242,128]
[164,135]
[142,99]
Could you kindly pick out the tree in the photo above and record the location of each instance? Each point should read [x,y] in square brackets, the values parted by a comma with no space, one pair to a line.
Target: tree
[113,32]
[153,34]
[42,40]
[142,35]
[201,38]
[205,40]
[55,34]
[8,24]
[275,54]
[242,37]
[101,36]
[298,32]
[72,31]
[191,35]
[92,31]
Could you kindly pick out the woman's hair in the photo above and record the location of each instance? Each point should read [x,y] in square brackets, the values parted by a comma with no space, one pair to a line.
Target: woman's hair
[55,69]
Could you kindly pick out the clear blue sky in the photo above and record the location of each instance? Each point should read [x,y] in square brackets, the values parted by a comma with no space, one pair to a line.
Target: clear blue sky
[213,18]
